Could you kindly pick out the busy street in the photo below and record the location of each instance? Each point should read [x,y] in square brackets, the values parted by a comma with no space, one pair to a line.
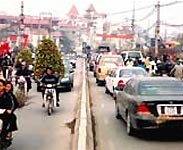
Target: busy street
[39,131]
[111,132]
[91,75]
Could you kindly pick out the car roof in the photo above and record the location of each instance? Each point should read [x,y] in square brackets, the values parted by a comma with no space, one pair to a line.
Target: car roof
[157,79]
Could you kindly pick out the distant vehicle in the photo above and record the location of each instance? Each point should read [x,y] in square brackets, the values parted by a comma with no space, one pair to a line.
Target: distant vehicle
[106,63]
[117,78]
[131,54]
[67,82]
[91,62]
[103,49]
[151,102]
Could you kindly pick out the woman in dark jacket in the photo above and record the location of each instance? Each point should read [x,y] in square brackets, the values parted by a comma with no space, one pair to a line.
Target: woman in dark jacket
[13,124]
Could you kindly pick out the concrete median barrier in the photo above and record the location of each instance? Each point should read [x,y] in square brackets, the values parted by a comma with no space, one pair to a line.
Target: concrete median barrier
[82,139]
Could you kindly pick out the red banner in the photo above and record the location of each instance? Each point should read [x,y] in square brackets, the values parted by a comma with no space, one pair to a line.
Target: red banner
[4,47]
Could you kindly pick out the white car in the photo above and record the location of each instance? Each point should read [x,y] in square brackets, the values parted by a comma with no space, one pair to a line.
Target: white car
[117,78]
[132,54]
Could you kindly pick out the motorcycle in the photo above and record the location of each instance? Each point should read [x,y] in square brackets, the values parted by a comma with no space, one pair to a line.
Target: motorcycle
[50,97]
[4,144]
[21,84]
[20,93]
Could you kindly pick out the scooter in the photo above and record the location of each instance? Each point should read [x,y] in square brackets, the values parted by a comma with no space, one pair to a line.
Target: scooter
[7,143]
[21,84]
[50,97]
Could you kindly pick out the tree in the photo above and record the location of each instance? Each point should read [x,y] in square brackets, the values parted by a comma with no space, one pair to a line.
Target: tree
[47,55]
[26,55]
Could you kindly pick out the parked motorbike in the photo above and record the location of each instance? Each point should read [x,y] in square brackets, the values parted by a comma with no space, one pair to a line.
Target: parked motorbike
[50,97]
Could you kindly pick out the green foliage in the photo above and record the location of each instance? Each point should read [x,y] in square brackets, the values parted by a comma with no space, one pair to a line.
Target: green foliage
[47,55]
[26,55]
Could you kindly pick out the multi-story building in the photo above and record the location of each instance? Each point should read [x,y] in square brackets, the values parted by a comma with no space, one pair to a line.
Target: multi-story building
[80,27]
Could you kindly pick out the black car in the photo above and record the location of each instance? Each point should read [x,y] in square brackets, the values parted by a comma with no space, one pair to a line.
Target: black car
[67,82]
[151,102]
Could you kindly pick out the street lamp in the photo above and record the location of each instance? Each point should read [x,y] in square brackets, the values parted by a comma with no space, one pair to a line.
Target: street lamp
[21,27]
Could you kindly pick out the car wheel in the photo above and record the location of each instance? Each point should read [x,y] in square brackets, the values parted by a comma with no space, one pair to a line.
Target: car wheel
[97,80]
[70,88]
[94,74]
[117,114]
[106,90]
[114,95]
[129,129]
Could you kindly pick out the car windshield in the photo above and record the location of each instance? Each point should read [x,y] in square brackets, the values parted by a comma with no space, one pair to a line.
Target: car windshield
[155,88]
[111,60]
[132,72]
[134,55]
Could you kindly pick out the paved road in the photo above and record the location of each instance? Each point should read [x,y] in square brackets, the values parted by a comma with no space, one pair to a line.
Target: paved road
[37,130]
[111,133]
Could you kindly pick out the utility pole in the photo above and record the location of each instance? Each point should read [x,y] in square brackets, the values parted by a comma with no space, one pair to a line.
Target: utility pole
[21,25]
[133,26]
[157,29]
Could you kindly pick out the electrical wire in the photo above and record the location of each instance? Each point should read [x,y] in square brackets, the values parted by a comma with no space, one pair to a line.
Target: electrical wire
[147,16]
[153,25]
[172,25]
[127,11]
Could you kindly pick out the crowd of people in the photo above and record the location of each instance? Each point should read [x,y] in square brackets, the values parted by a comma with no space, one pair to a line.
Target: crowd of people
[9,70]
[163,66]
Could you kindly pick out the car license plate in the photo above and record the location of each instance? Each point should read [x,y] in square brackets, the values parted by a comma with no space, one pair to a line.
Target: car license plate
[171,110]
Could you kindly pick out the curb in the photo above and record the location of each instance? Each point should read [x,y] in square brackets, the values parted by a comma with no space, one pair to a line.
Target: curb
[83,114]
[82,139]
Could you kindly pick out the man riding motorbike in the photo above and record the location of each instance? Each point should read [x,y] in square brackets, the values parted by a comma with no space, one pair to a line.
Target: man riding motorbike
[26,73]
[7,67]
[50,78]
[6,109]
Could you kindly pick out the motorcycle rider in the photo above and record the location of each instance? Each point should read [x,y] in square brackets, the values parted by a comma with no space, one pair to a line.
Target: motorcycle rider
[7,66]
[50,78]
[6,106]
[26,73]
[13,124]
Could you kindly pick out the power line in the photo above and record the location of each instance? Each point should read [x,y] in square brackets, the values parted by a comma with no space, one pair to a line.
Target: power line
[131,10]
[153,25]
[172,25]
[147,16]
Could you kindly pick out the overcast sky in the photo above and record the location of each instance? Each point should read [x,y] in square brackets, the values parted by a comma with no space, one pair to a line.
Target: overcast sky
[171,14]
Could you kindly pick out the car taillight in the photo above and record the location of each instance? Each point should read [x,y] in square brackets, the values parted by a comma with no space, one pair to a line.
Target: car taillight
[142,109]
[121,84]
[99,70]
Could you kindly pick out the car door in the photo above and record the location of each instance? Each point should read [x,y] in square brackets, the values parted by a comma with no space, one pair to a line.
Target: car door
[113,79]
[107,80]
[128,93]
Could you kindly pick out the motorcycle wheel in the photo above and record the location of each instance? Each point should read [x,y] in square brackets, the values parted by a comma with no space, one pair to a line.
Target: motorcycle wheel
[49,108]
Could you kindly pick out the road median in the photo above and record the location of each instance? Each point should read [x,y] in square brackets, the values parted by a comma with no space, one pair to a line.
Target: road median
[83,133]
